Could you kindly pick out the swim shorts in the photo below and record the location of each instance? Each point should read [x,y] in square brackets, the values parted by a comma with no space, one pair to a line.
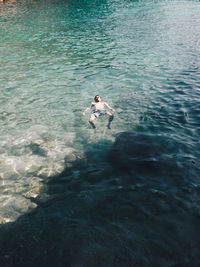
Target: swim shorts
[98,113]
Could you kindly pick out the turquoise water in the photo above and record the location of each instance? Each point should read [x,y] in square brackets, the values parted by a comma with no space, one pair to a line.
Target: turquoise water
[143,58]
[56,56]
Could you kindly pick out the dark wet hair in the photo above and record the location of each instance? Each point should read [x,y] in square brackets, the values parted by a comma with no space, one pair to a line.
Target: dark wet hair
[95,98]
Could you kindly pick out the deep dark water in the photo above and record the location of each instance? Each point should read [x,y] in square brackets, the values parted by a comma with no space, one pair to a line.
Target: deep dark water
[132,206]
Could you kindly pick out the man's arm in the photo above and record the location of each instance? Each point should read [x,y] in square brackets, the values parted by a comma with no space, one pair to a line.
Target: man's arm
[106,104]
[88,108]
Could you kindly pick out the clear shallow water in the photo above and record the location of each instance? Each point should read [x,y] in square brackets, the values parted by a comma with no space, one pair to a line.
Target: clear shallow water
[143,58]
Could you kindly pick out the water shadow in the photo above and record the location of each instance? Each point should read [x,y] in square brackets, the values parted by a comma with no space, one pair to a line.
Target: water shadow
[103,212]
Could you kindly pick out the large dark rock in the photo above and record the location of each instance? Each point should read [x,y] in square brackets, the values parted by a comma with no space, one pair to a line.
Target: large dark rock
[146,153]
[96,215]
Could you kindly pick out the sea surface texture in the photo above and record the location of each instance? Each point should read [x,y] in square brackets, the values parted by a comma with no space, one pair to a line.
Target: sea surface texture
[72,196]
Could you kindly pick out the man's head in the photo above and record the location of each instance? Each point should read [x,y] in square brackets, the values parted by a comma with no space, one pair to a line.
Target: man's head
[97,98]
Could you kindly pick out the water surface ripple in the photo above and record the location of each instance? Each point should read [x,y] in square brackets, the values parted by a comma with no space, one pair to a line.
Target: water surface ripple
[121,197]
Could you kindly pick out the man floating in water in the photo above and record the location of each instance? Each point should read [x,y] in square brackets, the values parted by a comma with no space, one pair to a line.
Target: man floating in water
[99,111]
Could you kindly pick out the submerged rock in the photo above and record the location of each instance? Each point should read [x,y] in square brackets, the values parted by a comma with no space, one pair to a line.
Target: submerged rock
[12,207]
[25,160]
[145,153]
[109,214]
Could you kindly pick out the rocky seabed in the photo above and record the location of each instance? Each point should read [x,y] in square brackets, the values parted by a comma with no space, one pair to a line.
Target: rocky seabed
[27,161]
